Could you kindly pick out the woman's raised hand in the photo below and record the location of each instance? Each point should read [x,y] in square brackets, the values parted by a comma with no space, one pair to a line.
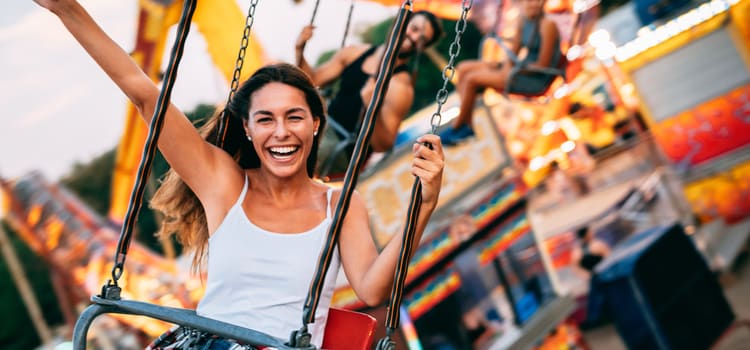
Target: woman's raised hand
[428,165]
[304,36]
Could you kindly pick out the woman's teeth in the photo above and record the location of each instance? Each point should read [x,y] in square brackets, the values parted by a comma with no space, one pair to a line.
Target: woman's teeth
[283,151]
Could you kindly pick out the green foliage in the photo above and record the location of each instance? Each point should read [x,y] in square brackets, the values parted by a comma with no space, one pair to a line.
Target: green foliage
[324,57]
[91,181]
[16,329]
[377,33]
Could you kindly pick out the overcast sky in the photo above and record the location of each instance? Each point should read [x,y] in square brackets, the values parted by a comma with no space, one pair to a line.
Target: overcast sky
[58,108]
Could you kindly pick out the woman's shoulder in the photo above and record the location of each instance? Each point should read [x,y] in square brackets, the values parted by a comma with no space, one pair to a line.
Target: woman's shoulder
[357,201]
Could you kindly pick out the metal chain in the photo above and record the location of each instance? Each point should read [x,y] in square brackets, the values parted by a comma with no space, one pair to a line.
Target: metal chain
[315,12]
[348,23]
[249,20]
[449,71]
[243,49]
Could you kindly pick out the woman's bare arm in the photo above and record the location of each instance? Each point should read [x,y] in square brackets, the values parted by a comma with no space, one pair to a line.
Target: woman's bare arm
[191,157]
[369,273]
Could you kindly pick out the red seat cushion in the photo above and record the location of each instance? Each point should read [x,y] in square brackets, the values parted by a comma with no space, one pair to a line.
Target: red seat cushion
[348,330]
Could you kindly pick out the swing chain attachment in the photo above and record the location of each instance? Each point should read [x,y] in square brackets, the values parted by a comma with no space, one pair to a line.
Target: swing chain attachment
[111,291]
[449,71]
[249,20]
[300,338]
[118,268]
[386,344]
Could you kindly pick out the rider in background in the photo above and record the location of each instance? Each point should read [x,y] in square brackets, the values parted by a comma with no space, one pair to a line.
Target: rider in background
[537,46]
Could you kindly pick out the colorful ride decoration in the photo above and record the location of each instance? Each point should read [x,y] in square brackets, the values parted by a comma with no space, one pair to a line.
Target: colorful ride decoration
[448,9]
[692,77]
[722,196]
[708,131]
[386,185]
[78,244]
[498,215]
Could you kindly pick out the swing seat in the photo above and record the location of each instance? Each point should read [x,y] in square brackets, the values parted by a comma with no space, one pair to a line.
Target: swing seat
[557,75]
[345,329]
[348,330]
[183,317]
[553,74]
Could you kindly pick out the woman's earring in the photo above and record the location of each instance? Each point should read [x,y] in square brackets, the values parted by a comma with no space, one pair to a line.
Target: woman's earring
[315,133]
[249,138]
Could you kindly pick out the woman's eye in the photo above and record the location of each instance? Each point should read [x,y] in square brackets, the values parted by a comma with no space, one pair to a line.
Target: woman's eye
[296,117]
[263,120]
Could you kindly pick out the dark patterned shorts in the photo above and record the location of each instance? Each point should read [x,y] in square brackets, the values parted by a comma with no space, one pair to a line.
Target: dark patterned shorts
[184,338]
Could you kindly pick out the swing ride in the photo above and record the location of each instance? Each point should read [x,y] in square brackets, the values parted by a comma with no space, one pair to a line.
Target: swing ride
[498,215]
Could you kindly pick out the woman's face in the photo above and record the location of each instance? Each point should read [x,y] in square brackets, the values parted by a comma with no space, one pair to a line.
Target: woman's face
[532,8]
[282,129]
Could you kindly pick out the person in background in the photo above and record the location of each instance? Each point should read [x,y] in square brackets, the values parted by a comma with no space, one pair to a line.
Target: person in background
[591,250]
[355,69]
[537,45]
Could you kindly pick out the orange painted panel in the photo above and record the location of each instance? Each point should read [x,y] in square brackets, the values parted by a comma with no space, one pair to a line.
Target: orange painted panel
[710,130]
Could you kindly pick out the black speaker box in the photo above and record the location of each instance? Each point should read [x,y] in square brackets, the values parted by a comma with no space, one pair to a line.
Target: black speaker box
[660,292]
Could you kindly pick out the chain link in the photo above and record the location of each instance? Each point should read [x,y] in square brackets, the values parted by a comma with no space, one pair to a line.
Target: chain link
[234,85]
[450,71]
[249,20]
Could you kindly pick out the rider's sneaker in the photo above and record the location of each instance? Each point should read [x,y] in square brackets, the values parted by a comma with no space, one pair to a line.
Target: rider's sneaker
[453,136]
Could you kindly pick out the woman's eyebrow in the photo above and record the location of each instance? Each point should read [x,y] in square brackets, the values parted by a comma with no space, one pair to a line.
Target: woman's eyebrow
[295,110]
[262,111]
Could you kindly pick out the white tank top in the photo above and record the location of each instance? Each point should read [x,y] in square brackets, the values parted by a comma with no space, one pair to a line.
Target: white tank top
[259,279]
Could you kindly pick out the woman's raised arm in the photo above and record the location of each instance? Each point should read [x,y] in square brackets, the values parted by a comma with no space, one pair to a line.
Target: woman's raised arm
[185,150]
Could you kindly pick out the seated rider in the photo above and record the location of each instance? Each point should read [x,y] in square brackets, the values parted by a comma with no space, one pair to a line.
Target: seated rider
[355,68]
[540,39]
[591,252]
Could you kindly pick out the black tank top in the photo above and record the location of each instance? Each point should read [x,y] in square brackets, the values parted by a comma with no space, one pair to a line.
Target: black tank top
[589,260]
[346,107]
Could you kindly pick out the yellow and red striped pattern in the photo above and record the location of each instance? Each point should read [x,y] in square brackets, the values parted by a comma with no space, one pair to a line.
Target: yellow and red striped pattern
[431,293]
[504,238]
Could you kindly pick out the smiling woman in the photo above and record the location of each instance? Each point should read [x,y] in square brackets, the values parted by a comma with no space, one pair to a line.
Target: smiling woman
[251,207]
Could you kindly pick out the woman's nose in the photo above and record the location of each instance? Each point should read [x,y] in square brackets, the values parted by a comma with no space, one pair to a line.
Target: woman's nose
[281,130]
